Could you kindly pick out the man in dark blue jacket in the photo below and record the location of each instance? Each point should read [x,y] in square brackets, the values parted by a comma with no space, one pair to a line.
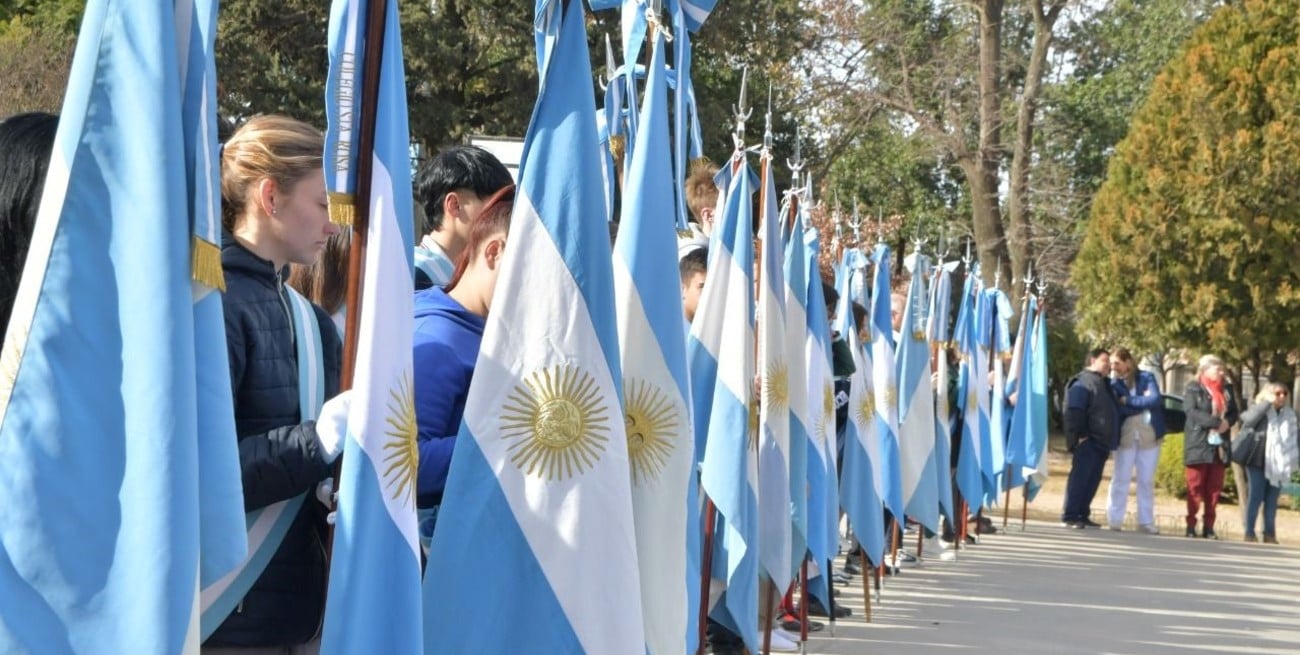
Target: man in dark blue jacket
[1091,432]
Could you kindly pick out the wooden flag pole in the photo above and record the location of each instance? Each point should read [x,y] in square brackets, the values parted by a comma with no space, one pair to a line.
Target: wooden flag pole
[1024,507]
[1006,501]
[769,590]
[706,572]
[866,591]
[830,595]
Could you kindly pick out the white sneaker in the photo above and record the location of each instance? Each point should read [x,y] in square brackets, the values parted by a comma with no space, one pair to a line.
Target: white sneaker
[906,560]
[781,642]
[1149,529]
[948,556]
[932,546]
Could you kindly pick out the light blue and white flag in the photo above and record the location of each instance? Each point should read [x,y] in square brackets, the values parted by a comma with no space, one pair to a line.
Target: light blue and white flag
[972,386]
[801,409]
[105,542]
[916,423]
[823,489]
[655,380]
[859,491]
[1037,467]
[993,340]
[774,379]
[721,353]
[939,332]
[1017,431]
[374,589]
[535,549]
[884,382]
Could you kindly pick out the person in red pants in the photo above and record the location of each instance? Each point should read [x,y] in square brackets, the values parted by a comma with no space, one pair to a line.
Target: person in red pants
[1211,406]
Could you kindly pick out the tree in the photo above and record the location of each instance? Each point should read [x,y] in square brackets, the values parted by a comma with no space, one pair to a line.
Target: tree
[1192,237]
[36,43]
[958,75]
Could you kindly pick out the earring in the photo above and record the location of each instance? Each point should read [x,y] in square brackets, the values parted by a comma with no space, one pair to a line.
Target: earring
[275,212]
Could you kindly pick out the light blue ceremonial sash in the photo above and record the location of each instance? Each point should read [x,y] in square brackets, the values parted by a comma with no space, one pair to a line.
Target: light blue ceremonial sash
[435,264]
[268,525]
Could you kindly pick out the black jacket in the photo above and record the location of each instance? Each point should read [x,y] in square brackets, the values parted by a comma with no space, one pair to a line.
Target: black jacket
[1199,409]
[279,454]
[1091,411]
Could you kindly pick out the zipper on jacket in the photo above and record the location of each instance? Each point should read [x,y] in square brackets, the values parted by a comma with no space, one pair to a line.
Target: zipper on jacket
[284,304]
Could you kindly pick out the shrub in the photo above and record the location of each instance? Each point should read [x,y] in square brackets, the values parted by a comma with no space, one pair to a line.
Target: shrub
[1171,479]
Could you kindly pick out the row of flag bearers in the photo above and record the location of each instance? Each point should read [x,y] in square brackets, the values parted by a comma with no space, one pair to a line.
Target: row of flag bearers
[725,465]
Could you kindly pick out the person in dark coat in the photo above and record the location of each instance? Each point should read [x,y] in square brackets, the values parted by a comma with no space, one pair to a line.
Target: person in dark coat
[274,212]
[1211,407]
[1092,421]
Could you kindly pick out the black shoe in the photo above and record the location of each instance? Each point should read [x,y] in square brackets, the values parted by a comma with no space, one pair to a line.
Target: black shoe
[791,624]
[1089,523]
[851,567]
[815,608]
[1191,532]
[1209,534]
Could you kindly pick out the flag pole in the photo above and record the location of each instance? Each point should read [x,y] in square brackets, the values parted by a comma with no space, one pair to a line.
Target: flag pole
[866,584]
[706,571]
[769,590]
[803,602]
[1020,346]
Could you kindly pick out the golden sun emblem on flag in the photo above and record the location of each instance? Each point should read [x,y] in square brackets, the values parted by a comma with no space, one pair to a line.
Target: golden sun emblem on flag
[827,419]
[972,399]
[652,423]
[891,398]
[866,408]
[401,455]
[556,422]
[753,421]
[776,387]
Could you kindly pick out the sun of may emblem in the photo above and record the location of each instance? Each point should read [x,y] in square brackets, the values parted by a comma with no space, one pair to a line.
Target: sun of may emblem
[401,454]
[556,423]
[652,424]
[866,408]
[827,420]
[776,390]
[891,397]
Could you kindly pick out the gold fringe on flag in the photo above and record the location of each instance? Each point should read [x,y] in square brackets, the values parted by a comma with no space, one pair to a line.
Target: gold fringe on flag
[343,209]
[205,263]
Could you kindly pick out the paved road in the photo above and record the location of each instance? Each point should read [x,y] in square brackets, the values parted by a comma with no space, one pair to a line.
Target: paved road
[1054,591]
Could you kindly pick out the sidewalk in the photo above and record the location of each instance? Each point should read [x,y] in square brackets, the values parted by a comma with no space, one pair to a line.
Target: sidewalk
[1049,590]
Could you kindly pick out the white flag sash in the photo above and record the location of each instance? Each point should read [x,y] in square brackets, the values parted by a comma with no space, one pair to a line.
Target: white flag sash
[267,526]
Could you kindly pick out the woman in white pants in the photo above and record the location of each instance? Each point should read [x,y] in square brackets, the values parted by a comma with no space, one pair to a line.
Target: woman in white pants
[1141,433]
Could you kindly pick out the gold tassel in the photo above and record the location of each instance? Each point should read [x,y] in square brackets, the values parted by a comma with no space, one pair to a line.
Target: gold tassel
[205,263]
[617,147]
[343,209]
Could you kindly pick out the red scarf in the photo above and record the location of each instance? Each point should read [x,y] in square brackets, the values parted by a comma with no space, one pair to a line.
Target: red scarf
[1215,387]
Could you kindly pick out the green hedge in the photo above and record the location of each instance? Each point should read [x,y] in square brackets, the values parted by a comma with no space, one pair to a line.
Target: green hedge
[1171,479]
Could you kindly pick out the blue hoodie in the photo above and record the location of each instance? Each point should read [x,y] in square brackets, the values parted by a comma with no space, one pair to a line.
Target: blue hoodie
[446,344]
[1143,397]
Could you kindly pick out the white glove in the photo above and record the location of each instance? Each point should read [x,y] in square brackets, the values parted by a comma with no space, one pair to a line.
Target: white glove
[325,494]
[332,425]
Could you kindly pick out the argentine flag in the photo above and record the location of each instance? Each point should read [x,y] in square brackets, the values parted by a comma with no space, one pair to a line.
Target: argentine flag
[1037,467]
[972,385]
[774,408]
[655,382]
[535,549]
[1017,432]
[823,489]
[993,340]
[860,491]
[374,582]
[721,352]
[940,311]
[916,426]
[801,417]
[884,382]
[104,541]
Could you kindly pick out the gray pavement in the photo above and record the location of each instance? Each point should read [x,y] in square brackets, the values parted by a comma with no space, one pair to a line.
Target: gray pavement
[1049,590]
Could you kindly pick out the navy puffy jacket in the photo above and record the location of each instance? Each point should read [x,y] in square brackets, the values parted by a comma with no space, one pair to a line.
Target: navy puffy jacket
[279,454]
